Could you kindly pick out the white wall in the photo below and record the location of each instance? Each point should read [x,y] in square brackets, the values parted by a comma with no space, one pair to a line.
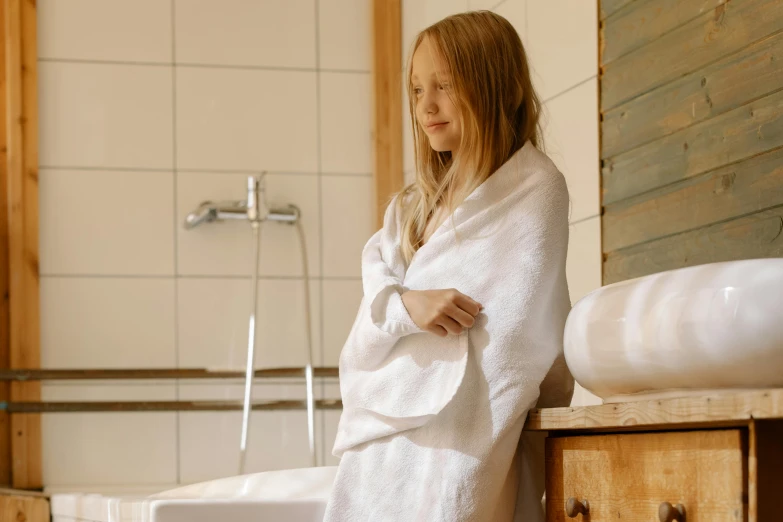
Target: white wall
[148,107]
[561,40]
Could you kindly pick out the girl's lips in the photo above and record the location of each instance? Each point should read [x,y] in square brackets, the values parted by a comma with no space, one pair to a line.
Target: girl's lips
[435,126]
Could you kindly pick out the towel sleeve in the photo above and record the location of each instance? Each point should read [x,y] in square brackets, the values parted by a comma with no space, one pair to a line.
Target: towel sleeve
[383,287]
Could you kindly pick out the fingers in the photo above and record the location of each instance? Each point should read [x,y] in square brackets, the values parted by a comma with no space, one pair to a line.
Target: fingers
[449,324]
[468,304]
[462,317]
[438,330]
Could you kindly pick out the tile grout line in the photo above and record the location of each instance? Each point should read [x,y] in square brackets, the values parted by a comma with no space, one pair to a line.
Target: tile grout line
[207,171]
[566,91]
[270,68]
[176,249]
[198,276]
[321,458]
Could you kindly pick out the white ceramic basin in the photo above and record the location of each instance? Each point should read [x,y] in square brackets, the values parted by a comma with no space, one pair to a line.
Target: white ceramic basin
[709,327]
[296,495]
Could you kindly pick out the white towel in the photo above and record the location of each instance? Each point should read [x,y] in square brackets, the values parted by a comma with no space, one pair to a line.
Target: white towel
[431,425]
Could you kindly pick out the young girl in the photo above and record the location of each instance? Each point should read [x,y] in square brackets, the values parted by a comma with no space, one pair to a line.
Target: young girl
[460,330]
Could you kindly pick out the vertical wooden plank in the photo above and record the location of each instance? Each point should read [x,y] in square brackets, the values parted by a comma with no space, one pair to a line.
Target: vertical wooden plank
[22,166]
[5,355]
[387,78]
[23,509]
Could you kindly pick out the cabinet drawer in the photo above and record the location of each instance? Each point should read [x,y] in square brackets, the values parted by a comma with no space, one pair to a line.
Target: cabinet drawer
[628,476]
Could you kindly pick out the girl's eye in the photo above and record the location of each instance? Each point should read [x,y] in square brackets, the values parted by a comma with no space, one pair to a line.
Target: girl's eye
[445,86]
[417,90]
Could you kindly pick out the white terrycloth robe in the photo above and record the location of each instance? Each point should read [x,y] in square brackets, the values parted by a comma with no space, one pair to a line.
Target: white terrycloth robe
[431,425]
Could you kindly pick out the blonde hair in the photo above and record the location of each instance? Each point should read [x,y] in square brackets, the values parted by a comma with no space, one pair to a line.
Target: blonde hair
[499,111]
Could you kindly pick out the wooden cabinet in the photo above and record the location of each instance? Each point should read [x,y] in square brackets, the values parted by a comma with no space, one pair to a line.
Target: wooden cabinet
[628,476]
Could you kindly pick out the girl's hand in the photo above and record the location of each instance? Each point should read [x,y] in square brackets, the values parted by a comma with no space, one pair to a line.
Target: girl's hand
[441,311]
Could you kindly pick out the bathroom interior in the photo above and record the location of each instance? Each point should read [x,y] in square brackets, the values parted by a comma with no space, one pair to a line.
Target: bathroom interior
[187,189]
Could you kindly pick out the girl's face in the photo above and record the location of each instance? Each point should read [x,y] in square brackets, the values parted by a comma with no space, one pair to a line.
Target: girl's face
[435,111]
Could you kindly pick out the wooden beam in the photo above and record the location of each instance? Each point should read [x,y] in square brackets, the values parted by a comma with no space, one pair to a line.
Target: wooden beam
[24,508]
[722,408]
[5,353]
[387,85]
[22,200]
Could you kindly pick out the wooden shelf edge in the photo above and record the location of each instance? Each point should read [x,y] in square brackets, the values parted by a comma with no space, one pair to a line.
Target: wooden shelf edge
[719,409]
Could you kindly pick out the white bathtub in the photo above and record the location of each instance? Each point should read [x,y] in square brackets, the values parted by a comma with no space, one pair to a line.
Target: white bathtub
[297,495]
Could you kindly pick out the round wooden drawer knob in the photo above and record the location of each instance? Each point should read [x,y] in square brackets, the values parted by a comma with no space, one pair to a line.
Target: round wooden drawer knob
[669,513]
[575,507]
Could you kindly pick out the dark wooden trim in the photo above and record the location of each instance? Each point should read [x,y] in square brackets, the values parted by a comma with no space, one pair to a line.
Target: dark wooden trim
[22,196]
[157,373]
[387,100]
[5,341]
[28,407]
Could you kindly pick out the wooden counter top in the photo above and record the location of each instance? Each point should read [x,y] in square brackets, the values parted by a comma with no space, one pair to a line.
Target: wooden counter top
[719,409]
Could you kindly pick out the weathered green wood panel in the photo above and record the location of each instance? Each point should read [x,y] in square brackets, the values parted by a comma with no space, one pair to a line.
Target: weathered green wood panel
[609,7]
[735,135]
[646,20]
[741,77]
[726,193]
[694,45]
[757,236]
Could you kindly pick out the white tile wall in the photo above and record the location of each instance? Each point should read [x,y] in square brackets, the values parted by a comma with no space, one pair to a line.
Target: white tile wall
[246,119]
[341,49]
[346,227]
[109,448]
[107,322]
[571,138]
[266,33]
[346,123]
[106,222]
[105,115]
[213,322]
[562,43]
[148,108]
[71,30]
[583,266]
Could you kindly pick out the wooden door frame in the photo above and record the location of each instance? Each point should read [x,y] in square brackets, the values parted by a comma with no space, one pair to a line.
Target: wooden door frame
[387,103]
[20,434]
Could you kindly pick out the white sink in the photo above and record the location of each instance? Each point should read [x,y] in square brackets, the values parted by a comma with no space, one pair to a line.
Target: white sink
[295,495]
[704,328]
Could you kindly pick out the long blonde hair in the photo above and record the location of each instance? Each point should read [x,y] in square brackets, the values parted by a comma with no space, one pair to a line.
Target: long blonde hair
[499,111]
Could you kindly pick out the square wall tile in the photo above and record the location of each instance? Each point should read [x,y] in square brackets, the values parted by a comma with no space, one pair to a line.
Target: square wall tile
[101,322]
[126,30]
[571,138]
[214,316]
[413,21]
[348,222]
[478,5]
[583,266]
[99,222]
[276,439]
[345,34]
[515,12]
[227,248]
[269,33]
[233,119]
[109,448]
[437,10]
[341,305]
[346,123]
[105,115]
[562,43]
